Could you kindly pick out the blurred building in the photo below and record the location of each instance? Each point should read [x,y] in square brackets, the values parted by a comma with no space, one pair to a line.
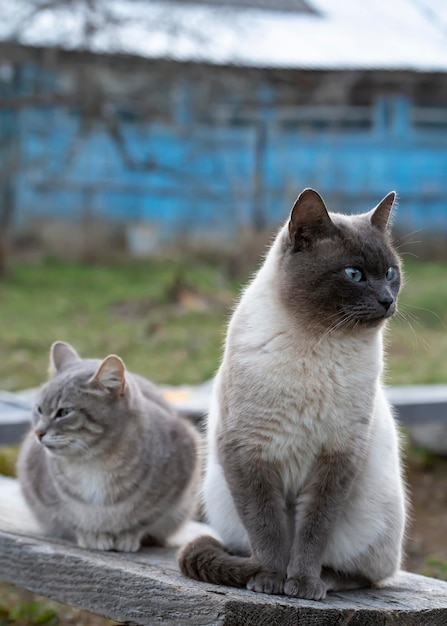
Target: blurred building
[207,116]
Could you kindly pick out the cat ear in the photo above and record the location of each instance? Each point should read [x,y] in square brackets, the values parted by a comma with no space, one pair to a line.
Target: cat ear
[111,375]
[61,355]
[380,216]
[309,219]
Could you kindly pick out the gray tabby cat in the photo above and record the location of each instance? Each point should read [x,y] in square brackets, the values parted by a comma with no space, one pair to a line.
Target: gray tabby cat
[108,463]
[303,479]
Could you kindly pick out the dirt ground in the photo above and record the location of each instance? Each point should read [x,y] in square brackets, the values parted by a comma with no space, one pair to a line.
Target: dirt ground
[427,532]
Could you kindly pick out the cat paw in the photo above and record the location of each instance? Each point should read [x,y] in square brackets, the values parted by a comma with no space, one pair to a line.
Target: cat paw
[99,541]
[307,587]
[267,582]
[127,543]
[106,541]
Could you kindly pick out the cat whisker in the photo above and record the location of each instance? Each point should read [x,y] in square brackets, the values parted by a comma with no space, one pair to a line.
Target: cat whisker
[337,314]
[404,239]
[407,314]
[420,308]
[418,339]
[407,253]
[80,445]
[407,243]
[339,324]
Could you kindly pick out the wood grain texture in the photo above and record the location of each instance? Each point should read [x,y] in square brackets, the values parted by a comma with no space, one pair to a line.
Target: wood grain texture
[147,588]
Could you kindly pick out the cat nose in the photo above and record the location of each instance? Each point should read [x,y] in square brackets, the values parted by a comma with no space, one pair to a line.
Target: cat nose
[385,298]
[386,302]
[39,433]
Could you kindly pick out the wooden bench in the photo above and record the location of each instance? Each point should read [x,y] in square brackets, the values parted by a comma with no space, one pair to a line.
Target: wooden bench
[147,588]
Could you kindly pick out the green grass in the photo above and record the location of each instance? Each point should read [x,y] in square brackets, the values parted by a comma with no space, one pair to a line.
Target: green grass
[22,608]
[418,335]
[166,319]
[8,457]
[436,568]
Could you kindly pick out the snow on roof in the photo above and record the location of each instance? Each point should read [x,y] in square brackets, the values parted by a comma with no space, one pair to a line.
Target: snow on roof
[341,34]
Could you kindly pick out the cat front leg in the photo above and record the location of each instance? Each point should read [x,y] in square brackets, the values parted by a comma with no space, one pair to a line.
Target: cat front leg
[256,489]
[316,512]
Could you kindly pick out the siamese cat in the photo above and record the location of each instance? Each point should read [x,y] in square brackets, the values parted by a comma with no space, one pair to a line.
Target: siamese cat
[303,481]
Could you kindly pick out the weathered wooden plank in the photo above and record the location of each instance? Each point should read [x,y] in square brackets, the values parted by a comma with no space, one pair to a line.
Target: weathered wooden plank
[147,588]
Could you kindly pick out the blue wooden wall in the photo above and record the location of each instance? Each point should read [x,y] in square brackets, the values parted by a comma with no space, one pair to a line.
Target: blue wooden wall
[212,179]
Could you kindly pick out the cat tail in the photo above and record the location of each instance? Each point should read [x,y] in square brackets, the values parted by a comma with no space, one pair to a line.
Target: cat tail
[207,560]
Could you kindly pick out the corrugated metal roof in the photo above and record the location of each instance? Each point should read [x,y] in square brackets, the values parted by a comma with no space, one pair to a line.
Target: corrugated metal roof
[342,34]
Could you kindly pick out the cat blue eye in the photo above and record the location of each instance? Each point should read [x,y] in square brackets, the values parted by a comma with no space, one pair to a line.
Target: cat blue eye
[390,273]
[353,273]
[63,412]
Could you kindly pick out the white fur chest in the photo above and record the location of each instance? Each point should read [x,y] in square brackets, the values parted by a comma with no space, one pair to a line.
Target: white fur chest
[93,483]
[292,396]
[88,494]
[86,483]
